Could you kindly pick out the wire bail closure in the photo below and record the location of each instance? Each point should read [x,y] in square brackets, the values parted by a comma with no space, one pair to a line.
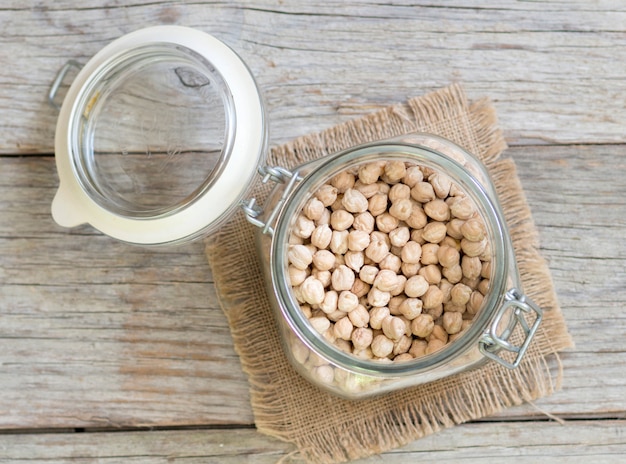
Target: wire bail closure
[58,81]
[278,175]
[517,306]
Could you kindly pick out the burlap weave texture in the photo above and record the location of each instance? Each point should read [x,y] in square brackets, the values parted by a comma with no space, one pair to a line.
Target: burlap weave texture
[328,429]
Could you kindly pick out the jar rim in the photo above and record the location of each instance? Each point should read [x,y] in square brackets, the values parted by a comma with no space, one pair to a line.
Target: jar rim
[94,99]
[398,149]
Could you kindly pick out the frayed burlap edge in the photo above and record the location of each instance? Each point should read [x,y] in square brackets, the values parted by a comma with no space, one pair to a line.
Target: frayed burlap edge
[327,429]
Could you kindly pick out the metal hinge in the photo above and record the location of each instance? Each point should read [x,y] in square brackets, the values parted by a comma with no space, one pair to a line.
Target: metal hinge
[253,211]
[516,306]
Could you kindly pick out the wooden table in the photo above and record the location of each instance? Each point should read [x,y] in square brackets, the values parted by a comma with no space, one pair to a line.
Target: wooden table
[128,345]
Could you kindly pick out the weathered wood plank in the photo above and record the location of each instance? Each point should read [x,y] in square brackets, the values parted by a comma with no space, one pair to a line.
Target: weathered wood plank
[553,69]
[525,442]
[578,202]
[96,333]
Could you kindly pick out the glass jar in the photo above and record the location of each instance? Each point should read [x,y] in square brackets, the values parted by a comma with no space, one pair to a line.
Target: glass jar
[501,330]
[158,141]
[158,138]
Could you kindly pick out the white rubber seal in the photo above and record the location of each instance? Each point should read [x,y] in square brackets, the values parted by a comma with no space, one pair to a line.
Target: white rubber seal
[72,206]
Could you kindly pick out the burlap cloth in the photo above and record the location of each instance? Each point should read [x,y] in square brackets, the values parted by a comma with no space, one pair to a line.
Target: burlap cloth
[328,429]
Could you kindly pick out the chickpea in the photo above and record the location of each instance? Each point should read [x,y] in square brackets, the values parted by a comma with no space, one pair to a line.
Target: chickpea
[389,261]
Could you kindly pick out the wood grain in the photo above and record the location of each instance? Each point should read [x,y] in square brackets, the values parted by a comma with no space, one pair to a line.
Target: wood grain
[525,442]
[554,70]
[100,336]
[91,321]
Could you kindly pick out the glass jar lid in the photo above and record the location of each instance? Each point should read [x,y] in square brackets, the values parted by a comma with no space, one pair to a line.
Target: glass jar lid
[158,138]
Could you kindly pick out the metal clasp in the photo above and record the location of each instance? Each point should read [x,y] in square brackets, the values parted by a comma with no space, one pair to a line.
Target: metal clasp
[516,307]
[278,175]
[58,80]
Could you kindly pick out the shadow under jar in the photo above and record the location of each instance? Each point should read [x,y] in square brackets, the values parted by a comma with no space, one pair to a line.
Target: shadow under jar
[316,283]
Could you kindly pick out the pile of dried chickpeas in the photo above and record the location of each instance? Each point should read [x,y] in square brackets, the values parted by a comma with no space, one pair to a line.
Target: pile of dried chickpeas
[389,260]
